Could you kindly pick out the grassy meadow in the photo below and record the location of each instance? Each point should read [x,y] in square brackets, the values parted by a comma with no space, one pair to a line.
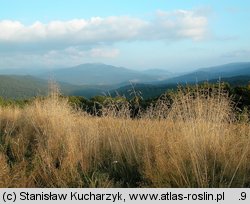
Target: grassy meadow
[197,141]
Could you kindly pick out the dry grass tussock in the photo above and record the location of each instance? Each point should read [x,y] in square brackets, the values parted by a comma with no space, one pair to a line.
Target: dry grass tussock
[196,142]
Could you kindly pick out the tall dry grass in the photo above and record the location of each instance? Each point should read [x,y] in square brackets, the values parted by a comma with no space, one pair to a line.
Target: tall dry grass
[195,142]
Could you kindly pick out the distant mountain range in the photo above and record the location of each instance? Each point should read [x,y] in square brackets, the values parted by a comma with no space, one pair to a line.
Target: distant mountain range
[96,79]
[217,72]
[101,74]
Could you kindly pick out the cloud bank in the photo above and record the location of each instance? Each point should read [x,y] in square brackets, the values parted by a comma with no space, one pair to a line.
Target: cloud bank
[176,25]
[95,38]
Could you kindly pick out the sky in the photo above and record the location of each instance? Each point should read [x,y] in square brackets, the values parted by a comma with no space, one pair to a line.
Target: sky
[178,36]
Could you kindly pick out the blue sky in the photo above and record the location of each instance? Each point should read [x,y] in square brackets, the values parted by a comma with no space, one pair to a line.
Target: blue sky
[176,35]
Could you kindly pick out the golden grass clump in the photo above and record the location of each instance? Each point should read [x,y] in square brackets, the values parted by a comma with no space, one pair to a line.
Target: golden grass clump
[194,142]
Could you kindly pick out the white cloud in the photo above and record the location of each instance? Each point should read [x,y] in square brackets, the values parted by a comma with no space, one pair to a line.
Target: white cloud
[77,31]
[180,24]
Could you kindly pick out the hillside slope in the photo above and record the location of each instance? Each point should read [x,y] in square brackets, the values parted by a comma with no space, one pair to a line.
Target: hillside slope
[20,87]
[13,86]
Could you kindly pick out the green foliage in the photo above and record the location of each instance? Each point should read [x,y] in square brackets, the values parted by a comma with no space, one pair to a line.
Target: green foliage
[13,102]
[241,96]
[78,102]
